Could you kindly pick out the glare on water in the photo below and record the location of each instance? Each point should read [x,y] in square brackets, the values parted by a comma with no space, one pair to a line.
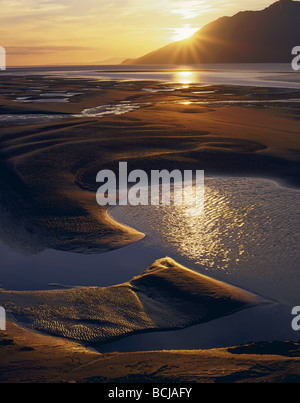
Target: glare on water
[248,230]
[203,233]
[185,78]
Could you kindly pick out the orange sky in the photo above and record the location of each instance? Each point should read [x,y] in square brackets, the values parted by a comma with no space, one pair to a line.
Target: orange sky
[42,32]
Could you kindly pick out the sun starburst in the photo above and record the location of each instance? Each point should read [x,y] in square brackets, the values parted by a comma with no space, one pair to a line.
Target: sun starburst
[184,32]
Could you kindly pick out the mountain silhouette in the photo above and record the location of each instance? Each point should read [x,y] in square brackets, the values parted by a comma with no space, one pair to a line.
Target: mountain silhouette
[266,36]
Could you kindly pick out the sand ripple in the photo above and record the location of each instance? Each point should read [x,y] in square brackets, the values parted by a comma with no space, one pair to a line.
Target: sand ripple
[166,296]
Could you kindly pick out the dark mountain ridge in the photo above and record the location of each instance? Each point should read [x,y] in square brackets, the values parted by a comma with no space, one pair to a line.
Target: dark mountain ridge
[266,36]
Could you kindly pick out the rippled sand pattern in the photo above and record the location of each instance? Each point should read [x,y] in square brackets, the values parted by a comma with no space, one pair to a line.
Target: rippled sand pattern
[165,296]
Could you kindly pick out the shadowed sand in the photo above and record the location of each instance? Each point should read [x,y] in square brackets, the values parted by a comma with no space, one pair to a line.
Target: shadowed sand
[48,171]
[49,360]
[47,200]
[166,296]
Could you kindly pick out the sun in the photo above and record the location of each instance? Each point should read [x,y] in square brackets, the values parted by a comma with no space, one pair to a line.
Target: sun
[184,32]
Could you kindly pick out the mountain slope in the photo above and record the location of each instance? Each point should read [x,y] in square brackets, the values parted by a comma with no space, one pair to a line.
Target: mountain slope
[266,36]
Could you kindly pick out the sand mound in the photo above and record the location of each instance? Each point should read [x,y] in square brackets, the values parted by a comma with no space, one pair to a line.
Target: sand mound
[166,296]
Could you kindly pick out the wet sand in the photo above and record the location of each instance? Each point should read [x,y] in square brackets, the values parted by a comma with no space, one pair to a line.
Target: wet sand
[47,359]
[48,171]
[165,296]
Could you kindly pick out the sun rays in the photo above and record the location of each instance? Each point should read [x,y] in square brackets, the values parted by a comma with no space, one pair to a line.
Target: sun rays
[184,32]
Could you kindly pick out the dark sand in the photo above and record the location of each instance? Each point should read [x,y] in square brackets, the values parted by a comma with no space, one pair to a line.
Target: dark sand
[50,169]
[47,182]
[167,296]
[27,357]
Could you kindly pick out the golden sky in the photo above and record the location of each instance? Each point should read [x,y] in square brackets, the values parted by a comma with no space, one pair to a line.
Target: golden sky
[42,32]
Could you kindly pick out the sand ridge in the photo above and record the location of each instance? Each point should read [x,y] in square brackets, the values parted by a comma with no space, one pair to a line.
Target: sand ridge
[47,359]
[47,181]
[55,164]
[166,296]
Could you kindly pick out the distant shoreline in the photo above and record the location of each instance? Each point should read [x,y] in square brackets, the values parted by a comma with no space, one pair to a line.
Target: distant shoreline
[272,75]
[169,130]
[48,185]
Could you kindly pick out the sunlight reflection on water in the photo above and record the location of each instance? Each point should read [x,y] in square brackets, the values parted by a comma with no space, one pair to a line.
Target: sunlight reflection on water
[185,78]
[249,227]
[207,235]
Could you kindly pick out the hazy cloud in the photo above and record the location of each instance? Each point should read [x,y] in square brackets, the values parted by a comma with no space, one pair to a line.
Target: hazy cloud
[43,50]
[130,27]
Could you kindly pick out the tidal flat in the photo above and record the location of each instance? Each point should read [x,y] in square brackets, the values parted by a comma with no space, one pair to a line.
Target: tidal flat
[50,154]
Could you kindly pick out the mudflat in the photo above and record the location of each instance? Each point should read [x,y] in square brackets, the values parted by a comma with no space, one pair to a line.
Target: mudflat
[56,134]
[47,359]
[50,168]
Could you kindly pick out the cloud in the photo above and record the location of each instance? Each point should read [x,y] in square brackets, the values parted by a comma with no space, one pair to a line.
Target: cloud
[127,27]
[43,50]
[23,8]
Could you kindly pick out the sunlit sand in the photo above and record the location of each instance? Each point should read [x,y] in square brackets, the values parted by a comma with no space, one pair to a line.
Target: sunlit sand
[51,153]
[165,296]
